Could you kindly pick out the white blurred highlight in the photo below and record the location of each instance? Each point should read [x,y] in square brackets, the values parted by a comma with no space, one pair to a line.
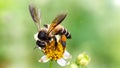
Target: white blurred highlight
[116,3]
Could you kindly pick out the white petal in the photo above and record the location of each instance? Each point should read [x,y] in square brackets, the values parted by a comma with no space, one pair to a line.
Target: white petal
[62,62]
[35,36]
[67,55]
[44,59]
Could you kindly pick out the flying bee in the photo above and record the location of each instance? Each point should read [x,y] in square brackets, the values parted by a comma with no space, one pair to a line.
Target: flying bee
[49,32]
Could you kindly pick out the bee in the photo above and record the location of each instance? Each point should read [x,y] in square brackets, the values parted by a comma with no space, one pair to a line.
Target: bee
[49,32]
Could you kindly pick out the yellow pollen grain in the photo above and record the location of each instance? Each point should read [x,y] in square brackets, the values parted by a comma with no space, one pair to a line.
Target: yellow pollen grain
[54,52]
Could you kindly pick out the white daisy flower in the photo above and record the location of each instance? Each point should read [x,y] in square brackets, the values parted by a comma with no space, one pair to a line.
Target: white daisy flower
[61,61]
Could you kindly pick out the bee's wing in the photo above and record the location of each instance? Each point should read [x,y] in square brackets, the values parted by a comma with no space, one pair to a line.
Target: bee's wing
[58,19]
[35,13]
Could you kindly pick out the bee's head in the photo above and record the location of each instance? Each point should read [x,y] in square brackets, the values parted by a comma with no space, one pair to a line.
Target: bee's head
[42,35]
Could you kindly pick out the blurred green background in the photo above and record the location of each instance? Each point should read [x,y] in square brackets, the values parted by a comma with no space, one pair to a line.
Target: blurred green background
[94,25]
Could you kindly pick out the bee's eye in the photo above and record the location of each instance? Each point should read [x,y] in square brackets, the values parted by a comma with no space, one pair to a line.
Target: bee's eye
[42,35]
[45,25]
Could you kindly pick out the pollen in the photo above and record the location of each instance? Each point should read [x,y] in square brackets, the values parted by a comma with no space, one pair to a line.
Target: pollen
[54,52]
[64,38]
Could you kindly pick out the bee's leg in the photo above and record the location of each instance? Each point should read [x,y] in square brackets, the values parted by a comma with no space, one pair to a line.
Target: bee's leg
[40,44]
[35,47]
[63,40]
[55,39]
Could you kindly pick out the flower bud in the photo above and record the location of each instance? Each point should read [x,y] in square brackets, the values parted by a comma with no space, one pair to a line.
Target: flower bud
[83,59]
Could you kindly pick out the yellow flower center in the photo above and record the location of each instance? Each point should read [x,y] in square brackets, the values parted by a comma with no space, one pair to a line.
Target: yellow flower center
[54,52]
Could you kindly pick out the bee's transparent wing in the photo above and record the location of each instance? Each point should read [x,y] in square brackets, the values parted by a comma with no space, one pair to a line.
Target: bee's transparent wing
[58,19]
[35,13]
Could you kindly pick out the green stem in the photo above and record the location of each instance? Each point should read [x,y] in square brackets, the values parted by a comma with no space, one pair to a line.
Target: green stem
[51,64]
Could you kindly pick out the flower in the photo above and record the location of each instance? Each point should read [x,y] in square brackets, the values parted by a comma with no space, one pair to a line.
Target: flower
[52,52]
[83,59]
